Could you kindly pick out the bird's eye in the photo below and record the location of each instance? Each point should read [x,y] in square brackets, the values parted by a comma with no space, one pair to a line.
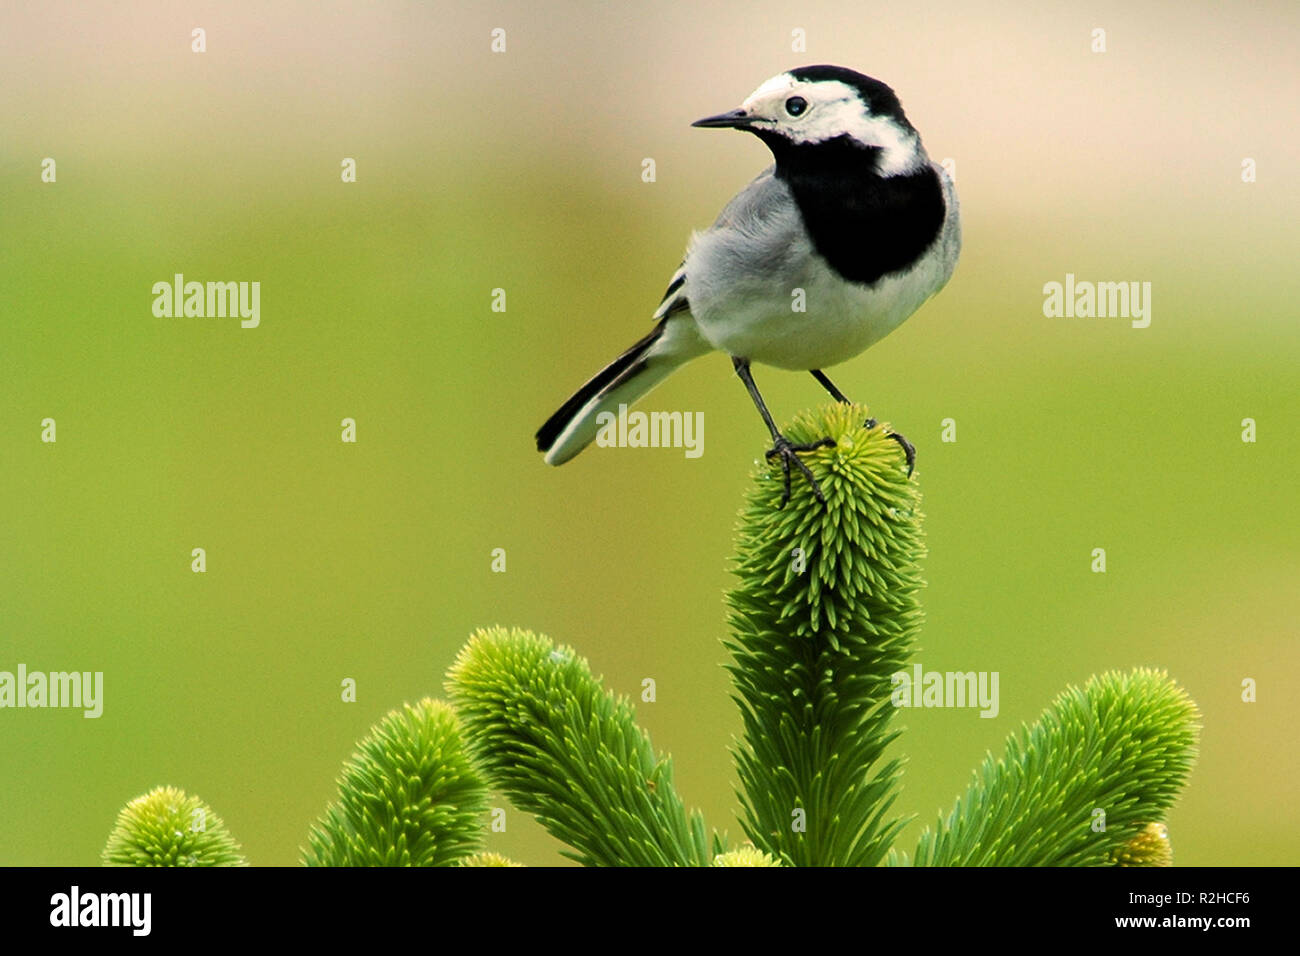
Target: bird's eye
[796,105]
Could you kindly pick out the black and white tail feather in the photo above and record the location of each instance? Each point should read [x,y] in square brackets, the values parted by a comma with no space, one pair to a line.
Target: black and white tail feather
[671,344]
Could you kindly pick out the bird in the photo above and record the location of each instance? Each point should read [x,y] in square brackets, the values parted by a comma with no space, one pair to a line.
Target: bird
[852,212]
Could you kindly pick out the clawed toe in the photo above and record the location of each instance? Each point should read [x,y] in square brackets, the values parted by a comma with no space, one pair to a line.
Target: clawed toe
[788,451]
[908,448]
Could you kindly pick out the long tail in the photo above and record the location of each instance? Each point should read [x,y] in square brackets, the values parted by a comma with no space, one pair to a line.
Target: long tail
[673,343]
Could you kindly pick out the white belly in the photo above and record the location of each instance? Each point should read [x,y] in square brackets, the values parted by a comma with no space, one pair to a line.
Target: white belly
[758,318]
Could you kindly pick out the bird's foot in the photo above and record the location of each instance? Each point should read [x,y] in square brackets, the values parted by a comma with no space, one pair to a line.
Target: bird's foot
[908,448]
[788,452]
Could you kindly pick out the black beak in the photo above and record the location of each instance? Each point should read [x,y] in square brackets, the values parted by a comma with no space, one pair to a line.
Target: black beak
[736,119]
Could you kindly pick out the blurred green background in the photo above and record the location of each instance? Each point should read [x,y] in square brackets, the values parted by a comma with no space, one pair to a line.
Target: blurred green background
[522,170]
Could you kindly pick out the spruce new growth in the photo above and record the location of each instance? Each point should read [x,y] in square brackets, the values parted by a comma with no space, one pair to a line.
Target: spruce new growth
[825,611]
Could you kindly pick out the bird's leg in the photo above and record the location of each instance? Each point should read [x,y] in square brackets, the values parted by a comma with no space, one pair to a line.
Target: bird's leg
[908,448]
[830,387]
[781,445]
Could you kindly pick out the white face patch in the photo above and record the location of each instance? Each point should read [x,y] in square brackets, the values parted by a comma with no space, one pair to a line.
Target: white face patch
[834,109]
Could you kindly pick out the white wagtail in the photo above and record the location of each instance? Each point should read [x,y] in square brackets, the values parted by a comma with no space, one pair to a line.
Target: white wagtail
[854,213]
